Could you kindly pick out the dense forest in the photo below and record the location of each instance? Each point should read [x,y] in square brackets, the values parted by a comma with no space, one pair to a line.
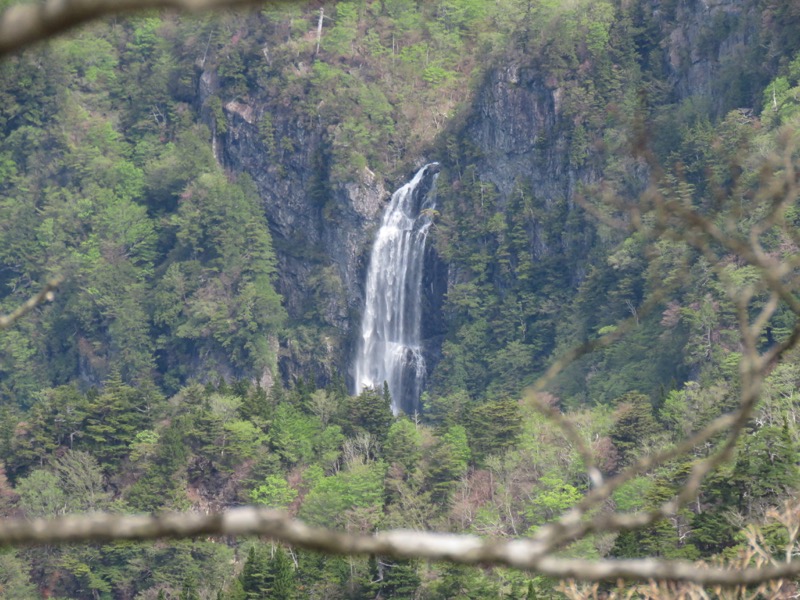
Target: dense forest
[209,187]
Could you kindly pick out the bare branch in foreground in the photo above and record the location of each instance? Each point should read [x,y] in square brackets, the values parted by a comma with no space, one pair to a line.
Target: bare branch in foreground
[464,549]
[604,341]
[44,295]
[553,414]
[25,24]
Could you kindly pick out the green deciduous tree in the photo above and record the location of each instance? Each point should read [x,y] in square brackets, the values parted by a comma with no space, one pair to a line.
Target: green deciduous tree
[354,494]
[14,580]
[82,481]
[40,494]
[274,492]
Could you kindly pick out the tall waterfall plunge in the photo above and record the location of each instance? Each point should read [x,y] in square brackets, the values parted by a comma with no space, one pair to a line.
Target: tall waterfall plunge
[390,347]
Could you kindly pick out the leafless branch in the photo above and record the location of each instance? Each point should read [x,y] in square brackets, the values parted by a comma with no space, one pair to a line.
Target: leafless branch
[464,549]
[44,295]
[561,421]
[604,341]
[25,24]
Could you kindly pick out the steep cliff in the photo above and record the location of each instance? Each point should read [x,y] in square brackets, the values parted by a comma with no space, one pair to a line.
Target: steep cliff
[551,123]
[320,229]
[551,117]
[721,51]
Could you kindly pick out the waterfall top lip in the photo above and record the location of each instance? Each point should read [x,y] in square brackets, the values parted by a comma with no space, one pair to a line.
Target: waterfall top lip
[434,167]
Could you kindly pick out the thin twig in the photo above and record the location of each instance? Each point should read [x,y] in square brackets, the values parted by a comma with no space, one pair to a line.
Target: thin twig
[464,549]
[24,24]
[44,295]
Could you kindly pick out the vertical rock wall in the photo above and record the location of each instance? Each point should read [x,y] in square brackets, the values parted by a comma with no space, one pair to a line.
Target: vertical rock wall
[322,231]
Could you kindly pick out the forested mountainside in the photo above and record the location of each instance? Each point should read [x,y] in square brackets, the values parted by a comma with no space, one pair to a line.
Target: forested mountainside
[210,188]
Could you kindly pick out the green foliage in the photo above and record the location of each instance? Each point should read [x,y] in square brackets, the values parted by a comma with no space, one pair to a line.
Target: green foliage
[189,590]
[456,581]
[108,175]
[781,101]
[630,496]
[40,494]
[686,411]
[274,493]
[96,224]
[403,444]
[766,466]
[664,537]
[14,579]
[400,580]
[255,574]
[222,239]
[144,446]
[553,497]
[294,434]
[282,586]
[92,59]
[82,481]
[340,38]
[352,495]
[159,482]
[449,461]
[114,417]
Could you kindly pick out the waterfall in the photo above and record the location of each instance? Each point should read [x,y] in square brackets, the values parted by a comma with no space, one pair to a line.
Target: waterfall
[390,348]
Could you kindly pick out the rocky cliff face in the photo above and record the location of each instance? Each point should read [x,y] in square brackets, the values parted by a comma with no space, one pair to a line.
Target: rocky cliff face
[519,134]
[514,125]
[522,138]
[703,46]
[705,39]
[320,230]
[720,51]
[702,49]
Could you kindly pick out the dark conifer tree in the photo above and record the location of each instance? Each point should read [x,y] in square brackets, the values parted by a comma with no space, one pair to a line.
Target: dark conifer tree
[256,405]
[255,575]
[114,417]
[371,411]
[400,580]
[634,423]
[371,584]
[189,590]
[281,575]
[494,426]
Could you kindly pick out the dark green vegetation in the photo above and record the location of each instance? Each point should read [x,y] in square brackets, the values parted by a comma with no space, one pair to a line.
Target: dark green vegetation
[146,384]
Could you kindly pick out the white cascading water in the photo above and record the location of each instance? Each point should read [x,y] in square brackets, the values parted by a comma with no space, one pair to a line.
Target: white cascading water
[390,348]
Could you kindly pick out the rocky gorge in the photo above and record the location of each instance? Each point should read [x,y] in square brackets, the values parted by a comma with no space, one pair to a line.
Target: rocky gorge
[528,124]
